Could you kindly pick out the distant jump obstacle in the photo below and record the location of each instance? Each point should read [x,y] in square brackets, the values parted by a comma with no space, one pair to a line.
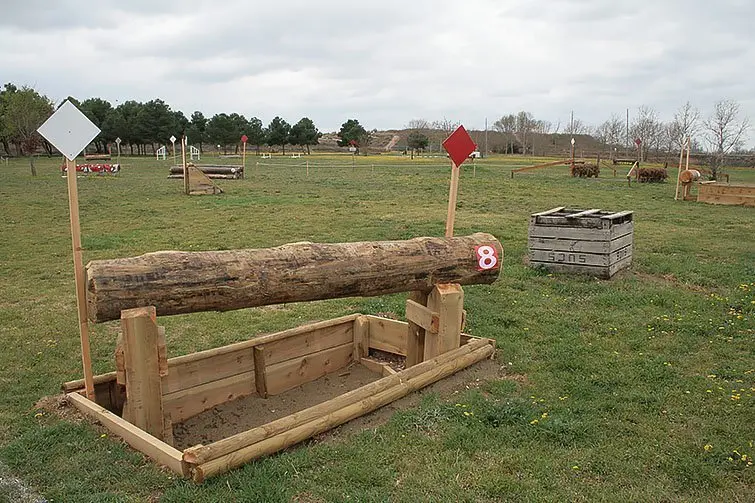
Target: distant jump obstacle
[149,392]
[213,171]
[194,153]
[100,169]
[161,153]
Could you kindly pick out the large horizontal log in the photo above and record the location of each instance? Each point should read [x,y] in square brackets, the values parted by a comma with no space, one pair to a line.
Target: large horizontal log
[184,282]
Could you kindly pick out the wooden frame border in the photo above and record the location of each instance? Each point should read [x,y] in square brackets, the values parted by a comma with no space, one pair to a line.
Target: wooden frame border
[370,332]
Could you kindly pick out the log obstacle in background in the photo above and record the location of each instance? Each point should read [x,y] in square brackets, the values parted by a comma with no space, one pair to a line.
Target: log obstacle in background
[212,169]
[726,193]
[184,282]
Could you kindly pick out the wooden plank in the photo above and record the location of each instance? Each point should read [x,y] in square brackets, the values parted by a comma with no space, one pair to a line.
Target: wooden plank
[604,272]
[452,194]
[186,403]
[614,232]
[415,341]
[448,301]
[260,378]
[373,366]
[202,453]
[617,215]
[579,246]
[361,338]
[309,342]
[548,212]
[565,221]
[140,440]
[292,373]
[539,166]
[583,213]
[733,200]
[388,371]
[388,335]
[187,373]
[577,258]
[295,435]
[422,316]
[142,368]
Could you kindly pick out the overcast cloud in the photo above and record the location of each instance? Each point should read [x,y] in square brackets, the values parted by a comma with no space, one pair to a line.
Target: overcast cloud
[387,62]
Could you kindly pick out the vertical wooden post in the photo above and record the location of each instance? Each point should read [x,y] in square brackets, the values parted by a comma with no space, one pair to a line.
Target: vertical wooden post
[141,355]
[452,200]
[415,349]
[448,301]
[361,338]
[243,159]
[307,167]
[183,160]
[260,379]
[79,276]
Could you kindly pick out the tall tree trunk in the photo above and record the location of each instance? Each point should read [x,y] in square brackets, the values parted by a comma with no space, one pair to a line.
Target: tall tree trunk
[284,148]
[307,148]
[33,168]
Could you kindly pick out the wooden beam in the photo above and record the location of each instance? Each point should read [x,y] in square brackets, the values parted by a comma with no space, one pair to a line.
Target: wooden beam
[448,301]
[260,379]
[309,342]
[295,372]
[415,344]
[374,366]
[178,282]
[452,195]
[189,402]
[388,335]
[361,338]
[140,440]
[548,212]
[142,368]
[79,278]
[337,417]
[422,316]
[202,453]
[583,213]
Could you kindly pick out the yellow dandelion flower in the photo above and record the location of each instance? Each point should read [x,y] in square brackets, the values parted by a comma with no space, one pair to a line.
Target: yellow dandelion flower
[707,447]
[534,421]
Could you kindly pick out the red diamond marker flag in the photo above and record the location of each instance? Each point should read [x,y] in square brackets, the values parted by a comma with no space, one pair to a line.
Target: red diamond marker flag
[459,145]
[244,138]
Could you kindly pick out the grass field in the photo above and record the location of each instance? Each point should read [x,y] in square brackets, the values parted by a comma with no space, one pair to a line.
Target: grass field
[635,389]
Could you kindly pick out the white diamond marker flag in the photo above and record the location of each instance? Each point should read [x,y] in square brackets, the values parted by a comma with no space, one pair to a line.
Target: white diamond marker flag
[69,130]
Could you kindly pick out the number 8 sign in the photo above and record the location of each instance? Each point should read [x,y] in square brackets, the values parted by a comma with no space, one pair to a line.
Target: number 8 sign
[487,257]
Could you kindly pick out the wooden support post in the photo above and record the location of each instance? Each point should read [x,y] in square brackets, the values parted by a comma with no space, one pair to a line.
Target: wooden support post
[452,200]
[415,350]
[679,172]
[80,278]
[243,160]
[361,338]
[260,379]
[183,160]
[142,367]
[448,301]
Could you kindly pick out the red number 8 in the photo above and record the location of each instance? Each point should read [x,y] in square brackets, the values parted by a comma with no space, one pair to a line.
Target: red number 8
[487,257]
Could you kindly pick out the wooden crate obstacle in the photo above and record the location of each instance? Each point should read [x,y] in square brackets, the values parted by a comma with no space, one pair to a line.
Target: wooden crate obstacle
[148,392]
[738,194]
[594,242]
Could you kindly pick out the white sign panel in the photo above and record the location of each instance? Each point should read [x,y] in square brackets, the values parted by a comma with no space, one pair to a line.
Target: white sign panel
[172,139]
[69,130]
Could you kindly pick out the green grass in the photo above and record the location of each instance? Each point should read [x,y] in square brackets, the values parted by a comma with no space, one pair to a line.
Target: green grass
[626,381]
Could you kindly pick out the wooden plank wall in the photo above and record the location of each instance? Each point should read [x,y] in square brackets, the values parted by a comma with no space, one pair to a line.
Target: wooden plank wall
[720,193]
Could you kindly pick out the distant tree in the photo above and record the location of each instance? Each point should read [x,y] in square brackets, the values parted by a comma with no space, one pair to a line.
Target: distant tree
[278,132]
[524,125]
[305,133]
[5,129]
[256,133]
[418,125]
[196,130]
[448,126]
[611,132]
[123,124]
[97,111]
[685,125]
[576,126]
[353,134]
[240,125]
[507,125]
[417,141]
[648,129]
[155,123]
[724,131]
[24,111]
[222,130]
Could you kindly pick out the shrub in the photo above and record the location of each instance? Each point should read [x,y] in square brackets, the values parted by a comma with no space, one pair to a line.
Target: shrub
[652,175]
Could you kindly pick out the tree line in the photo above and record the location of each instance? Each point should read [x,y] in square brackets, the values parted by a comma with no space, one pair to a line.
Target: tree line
[142,126]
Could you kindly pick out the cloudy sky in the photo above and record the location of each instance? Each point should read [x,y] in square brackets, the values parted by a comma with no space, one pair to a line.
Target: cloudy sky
[387,62]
